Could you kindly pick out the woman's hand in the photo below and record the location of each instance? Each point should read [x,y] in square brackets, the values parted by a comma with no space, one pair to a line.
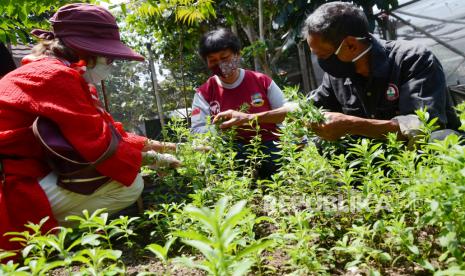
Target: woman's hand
[232,118]
[203,148]
[157,160]
[158,146]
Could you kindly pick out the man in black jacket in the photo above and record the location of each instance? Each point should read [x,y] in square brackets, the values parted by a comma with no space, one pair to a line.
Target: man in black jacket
[371,86]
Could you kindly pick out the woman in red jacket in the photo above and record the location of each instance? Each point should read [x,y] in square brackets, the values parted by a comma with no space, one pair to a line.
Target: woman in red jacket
[55,83]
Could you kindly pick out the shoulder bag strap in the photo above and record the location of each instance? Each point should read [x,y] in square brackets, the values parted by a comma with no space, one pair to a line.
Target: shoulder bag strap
[111,149]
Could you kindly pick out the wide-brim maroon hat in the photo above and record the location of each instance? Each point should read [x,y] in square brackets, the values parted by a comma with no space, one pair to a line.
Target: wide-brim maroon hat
[91,29]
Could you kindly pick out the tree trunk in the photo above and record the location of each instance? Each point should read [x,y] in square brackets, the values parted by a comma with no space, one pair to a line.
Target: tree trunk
[252,36]
[311,69]
[261,31]
[304,68]
[153,75]
[181,59]
[234,28]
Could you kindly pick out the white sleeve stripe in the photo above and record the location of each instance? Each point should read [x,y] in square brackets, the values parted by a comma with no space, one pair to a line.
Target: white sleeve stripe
[275,96]
[200,102]
[199,121]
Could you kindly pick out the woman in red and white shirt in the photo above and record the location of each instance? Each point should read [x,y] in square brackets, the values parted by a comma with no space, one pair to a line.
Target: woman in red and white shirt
[230,89]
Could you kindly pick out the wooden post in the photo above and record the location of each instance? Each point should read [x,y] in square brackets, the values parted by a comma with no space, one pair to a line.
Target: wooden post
[303,67]
[311,69]
[105,98]
[155,86]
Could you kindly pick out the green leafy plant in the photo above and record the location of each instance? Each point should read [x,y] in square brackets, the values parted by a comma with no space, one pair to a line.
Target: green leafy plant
[220,246]
[162,252]
[306,112]
[98,225]
[373,207]
[95,261]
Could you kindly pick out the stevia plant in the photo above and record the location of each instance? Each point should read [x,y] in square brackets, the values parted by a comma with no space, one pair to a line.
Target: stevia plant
[98,225]
[164,218]
[162,253]
[28,238]
[306,112]
[42,253]
[98,261]
[368,209]
[12,268]
[461,112]
[300,238]
[5,255]
[222,244]
[60,247]
[253,150]
[303,113]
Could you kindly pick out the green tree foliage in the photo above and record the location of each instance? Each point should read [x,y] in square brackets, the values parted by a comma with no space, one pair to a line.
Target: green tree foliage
[19,17]
[130,94]
[171,22]
[173,28]
[292,14]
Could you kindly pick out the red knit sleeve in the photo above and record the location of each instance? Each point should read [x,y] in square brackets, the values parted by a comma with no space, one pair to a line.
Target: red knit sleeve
[61,94]
[136,140]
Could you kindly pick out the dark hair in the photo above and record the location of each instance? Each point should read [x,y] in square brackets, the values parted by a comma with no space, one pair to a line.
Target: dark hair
[7,65]
[218,40]
[336,20]
[55,47]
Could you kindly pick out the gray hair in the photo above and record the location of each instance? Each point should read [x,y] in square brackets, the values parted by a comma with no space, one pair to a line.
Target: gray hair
[56,48]
[336,20]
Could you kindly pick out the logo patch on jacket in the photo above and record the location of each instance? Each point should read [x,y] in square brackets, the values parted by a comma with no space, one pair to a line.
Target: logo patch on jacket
[257,100]
[196,111]
[215,107]
[392,92]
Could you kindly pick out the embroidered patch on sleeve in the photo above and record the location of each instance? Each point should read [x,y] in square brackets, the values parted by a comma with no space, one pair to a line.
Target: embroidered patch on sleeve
[392,92]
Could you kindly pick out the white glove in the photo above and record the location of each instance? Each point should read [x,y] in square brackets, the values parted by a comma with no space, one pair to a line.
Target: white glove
[157,160]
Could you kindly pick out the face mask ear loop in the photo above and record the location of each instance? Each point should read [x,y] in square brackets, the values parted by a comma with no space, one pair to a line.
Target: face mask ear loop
[339,48]
[362,54]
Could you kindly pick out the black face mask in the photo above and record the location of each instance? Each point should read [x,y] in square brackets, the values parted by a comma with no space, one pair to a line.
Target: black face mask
[341,69]
[337,68]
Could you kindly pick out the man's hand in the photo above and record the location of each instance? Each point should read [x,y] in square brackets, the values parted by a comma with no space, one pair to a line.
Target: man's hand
[335,126]
[232,118]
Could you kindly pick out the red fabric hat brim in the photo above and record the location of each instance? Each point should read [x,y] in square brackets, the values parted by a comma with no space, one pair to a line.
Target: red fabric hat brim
[102,47]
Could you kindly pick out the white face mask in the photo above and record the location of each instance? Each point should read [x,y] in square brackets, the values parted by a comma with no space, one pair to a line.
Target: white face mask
[100,71]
